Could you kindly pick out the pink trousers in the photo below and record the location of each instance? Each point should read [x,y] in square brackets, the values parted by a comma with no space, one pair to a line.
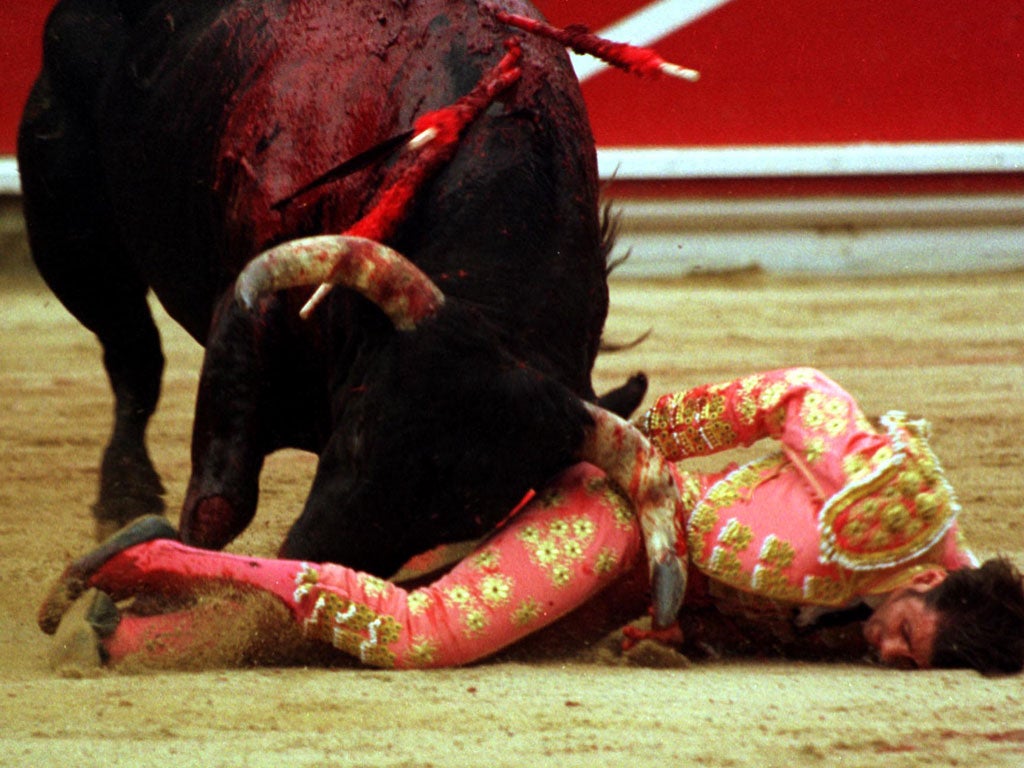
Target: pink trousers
[561,550]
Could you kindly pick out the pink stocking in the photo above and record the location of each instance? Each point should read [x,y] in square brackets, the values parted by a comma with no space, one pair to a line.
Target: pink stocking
[152,640]
[169,568]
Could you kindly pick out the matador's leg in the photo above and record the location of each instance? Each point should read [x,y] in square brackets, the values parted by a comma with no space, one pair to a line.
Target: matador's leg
[562,549]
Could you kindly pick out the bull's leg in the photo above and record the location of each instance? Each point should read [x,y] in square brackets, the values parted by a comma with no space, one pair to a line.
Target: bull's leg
[77,250]
[258,392]
[330,528]
[227,437]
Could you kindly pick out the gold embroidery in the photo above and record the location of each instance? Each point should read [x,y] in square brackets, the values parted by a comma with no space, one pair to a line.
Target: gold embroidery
[622,510]
[724,494]
[475,602]
[773,583]
[895,511]
[769,577]
[657,417]
[559,549]
[776,552]
[836,408]
[354,628]
[686,424]
[910,482]
[735,535]
[802,376]
[747,409]
[725,565]
[583,528]
[895,517]
[747,405]
[474,622]
[552,498]
[558,528]
[378,657]
[720,560]
[529,534]
[418,602]
[606,562]
[623,513]
[703,520]
[529,610]
[561,574]
[856,466]
[459,595]
[305,580]
[719,434]
[821,590]
[488,560]
[572,549]
[374,586]
[495,589]
[815,449]
[689,490]
[928,505]
[422,652]
[546,552]
[772,395]
[471,616]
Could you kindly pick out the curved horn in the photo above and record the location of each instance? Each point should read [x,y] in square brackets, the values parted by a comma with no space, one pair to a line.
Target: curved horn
[402,291]
[628,458]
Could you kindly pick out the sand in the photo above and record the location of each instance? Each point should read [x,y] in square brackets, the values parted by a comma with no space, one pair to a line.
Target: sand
[950,349]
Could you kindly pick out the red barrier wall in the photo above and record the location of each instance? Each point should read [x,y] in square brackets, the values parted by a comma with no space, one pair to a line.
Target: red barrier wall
[773,74]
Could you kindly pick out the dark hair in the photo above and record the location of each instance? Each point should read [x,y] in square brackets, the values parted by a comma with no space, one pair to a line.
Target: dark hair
[981,622]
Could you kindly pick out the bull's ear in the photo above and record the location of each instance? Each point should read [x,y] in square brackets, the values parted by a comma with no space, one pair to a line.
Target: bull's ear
[629,460]
[622,401]
[402,291]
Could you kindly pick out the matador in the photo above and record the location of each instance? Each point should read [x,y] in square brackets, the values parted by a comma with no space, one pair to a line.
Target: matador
[843,514]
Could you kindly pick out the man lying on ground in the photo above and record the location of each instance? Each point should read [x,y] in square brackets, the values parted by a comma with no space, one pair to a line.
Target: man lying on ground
[847,522]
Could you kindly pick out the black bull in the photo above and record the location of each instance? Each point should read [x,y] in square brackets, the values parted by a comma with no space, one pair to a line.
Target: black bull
[153,149]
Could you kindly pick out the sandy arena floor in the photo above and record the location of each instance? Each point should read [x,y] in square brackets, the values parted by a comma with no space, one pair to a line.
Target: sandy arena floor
[949,349]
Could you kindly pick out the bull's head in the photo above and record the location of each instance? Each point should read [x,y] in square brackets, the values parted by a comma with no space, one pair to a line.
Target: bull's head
[411,300]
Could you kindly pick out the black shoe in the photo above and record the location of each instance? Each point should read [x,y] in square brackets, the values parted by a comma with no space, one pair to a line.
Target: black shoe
[75,579]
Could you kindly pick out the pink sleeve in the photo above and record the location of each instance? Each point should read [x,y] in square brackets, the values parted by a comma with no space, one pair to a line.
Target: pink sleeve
[567,545]
[779,404]
[818,423]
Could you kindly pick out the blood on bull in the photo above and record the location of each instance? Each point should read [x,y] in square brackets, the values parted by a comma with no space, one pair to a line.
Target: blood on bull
[168,143]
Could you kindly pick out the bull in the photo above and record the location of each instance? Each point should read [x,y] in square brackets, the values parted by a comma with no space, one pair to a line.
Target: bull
[156,149]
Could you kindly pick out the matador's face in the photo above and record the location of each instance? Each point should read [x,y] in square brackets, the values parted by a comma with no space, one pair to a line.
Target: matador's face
[902,629]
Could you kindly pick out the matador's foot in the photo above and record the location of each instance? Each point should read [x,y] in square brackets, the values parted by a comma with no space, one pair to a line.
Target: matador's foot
[74,581]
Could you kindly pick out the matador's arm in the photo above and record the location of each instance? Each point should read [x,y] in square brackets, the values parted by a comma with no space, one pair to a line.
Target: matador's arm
[806,411]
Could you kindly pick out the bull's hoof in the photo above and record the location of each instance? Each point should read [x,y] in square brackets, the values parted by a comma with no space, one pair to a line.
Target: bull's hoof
[75,579]
[130,488]
[76,650]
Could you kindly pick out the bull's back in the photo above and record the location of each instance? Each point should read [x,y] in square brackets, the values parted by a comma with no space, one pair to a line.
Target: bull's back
[217,110]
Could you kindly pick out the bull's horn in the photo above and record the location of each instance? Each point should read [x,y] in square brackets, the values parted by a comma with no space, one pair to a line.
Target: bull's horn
[385,277]
[629,459]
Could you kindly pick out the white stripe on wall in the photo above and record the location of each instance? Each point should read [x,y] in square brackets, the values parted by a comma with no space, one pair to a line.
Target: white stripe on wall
[867,159]
[834,235]
[646,26]
[10,181]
